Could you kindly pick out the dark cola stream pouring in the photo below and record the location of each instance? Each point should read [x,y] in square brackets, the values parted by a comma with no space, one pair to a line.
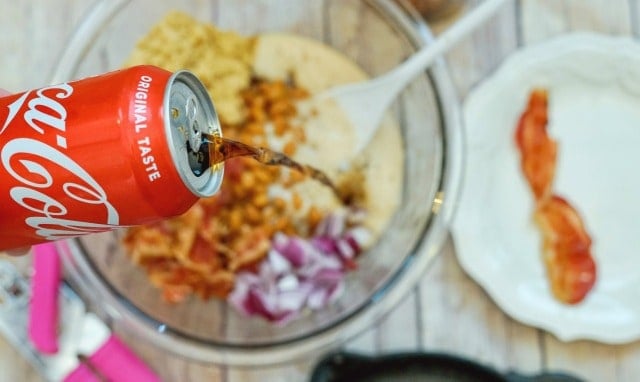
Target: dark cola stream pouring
[221,149]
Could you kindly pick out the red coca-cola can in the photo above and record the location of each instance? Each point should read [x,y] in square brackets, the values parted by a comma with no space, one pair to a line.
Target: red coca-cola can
[119,149]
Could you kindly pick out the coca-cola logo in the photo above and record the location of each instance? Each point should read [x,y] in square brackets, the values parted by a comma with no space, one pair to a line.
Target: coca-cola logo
[31,163]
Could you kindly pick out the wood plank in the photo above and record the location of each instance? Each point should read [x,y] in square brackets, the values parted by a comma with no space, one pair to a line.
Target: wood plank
[303,18]
[377,47]
[478,55]
[255,16]
[607,16]
[459,318]
[15,367]
[628,367]
[457,314]
[634,15]
[31,39]
[579,358]
[543,19]
[400,330]
[290,373]
[360,33]
[365,342]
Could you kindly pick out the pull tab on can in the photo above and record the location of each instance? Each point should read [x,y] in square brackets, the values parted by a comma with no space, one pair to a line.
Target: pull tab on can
[190,115]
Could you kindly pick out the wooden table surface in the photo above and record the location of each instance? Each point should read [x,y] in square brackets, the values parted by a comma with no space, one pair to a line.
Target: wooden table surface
[447,311]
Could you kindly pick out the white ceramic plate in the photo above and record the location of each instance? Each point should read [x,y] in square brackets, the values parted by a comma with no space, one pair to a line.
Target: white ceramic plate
[594,105]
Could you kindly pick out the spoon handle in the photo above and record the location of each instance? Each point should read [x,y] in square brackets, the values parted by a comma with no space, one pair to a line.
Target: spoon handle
[423,58]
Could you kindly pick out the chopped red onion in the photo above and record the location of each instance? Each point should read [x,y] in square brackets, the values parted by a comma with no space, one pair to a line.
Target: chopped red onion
[301,272]
[238,297]
[288,283]
[279,263]
[292,300]
[279,241]
[329,277]
[330,262]
[336,224]
[345,250]
[321,228]
[358,237]
[324,243]
[318,298]
[261,302]
[266,274]
[296,250]
[335,292]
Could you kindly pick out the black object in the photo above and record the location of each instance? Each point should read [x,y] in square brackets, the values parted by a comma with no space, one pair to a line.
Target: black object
[427,367]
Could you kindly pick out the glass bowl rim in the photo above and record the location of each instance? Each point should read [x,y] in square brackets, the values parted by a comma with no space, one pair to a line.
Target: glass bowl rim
[113,310]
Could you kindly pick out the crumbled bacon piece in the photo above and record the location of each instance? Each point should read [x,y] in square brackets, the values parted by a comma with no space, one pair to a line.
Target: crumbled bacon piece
[570,266]
[567,254]
[537,149]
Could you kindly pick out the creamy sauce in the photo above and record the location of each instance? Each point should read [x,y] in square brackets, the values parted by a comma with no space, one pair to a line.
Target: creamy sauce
[330,137]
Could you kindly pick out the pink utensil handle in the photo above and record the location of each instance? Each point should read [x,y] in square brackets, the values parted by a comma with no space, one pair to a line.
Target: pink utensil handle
[43,307]
[114,361]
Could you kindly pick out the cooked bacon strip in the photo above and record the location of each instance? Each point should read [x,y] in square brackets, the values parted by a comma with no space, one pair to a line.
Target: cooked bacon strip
[537,149]
[570,266]
[567,255]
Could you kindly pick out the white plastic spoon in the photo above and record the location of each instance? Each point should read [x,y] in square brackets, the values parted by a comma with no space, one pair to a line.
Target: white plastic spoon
[365,103]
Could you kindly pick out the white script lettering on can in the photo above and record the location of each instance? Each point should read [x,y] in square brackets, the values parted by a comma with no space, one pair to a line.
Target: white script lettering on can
[140,111]
[30,161]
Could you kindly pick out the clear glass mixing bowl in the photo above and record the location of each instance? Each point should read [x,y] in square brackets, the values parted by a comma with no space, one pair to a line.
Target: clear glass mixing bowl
[377,34]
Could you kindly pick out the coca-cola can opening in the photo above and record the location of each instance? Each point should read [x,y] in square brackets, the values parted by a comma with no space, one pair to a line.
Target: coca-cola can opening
[191,115]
